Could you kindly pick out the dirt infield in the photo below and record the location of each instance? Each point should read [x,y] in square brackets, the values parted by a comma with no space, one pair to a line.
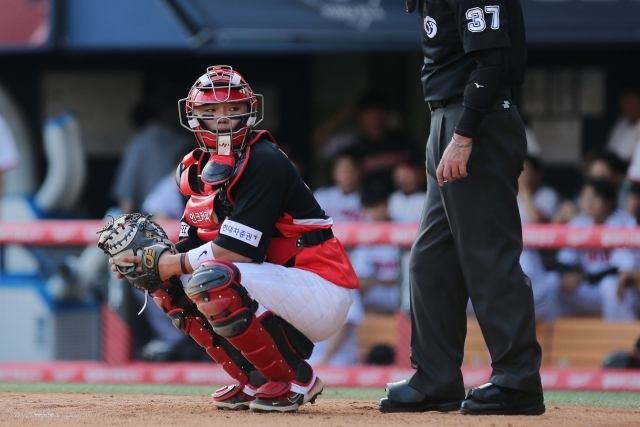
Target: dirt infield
[62,409]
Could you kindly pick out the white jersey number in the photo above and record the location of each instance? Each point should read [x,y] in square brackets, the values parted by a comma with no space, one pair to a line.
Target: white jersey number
[478,23]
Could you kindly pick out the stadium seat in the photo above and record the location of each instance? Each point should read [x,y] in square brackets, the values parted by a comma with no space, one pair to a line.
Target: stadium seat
[584,342]
[578,342]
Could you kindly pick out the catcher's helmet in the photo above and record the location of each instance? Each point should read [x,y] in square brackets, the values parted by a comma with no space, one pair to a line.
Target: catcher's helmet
[221,83]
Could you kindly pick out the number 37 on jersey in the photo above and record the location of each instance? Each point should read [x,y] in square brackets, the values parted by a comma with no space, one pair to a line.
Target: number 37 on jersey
[478,18]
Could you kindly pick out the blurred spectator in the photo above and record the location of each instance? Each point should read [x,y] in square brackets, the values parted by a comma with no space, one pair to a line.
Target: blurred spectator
[633,178]
[377,266]
[596,166]
[632,204]
[8,152]
[149,156]
[165,200]
[342,201]
[625,133]
[376,139]
[410,180]
[628,293]
[536,202]
[544,285]
[371,114]
[589,277]
[343,348]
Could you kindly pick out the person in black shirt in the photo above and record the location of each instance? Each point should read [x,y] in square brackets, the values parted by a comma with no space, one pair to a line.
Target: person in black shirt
[470,237]
[378,142]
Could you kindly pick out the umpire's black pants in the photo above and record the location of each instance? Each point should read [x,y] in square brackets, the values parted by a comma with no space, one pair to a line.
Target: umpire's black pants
[468,246]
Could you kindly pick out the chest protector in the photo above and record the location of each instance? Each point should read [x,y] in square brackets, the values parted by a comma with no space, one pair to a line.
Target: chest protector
[207,179]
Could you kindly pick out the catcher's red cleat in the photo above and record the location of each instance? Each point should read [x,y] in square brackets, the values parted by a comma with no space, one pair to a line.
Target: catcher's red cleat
[285,399]
[232,398]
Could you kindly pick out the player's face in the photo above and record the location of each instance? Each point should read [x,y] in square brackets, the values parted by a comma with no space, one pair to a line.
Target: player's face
[218,117]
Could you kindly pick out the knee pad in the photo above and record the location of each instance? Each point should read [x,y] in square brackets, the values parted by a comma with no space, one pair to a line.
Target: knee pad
[215,287]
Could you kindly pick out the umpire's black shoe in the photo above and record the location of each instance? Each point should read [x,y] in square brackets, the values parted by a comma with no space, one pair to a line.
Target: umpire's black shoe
[490,399]
[403,398]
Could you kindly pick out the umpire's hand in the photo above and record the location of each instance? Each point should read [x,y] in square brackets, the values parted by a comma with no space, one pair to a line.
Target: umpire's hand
[453,164]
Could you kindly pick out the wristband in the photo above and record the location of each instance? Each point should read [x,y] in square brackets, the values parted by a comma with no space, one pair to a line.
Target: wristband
[200,254]
[183,266]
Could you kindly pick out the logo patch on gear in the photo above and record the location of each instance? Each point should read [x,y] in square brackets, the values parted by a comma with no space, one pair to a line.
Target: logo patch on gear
[430,26]
[149,258]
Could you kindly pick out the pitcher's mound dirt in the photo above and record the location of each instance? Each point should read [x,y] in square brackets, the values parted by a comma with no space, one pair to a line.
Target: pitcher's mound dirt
[60,409]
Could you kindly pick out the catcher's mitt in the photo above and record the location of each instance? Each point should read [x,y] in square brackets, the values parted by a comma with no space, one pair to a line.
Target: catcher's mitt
[137,235]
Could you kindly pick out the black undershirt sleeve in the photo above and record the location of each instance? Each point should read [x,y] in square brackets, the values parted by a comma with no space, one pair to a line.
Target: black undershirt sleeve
[483,87]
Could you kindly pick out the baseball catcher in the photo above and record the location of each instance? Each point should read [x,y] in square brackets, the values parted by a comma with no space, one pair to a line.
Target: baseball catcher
[257,275]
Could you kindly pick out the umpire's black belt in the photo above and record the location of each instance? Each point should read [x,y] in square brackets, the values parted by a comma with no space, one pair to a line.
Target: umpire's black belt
[313,238]
[505,93]
[441,104]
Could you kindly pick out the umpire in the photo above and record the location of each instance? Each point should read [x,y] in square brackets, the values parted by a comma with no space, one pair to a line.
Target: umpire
[470,236]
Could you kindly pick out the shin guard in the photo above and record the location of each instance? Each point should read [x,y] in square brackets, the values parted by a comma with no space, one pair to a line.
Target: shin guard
[185,316]
[215,287]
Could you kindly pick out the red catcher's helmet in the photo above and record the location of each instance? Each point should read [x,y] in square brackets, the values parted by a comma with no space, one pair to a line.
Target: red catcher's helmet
[221,83]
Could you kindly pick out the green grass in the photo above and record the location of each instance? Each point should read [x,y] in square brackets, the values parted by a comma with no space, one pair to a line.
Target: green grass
[552,398]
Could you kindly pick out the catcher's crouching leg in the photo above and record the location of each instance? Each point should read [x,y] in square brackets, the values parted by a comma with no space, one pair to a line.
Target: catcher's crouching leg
[272,345]
[184,314]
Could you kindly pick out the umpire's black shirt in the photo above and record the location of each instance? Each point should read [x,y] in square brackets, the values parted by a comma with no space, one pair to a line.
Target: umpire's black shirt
[453,29]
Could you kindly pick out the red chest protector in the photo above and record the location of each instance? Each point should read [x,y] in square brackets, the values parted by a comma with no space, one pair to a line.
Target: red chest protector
[207,180]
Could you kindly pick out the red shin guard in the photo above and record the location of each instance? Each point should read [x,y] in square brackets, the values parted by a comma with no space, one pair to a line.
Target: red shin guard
[259,347]
[196,327]
[215,287]
[185,317]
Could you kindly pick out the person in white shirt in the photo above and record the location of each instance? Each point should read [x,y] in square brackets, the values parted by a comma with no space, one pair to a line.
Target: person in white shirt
[589,278]
[537,204]
[410,180]
[597,166]
[165,200]
[625,133]
[342,201]
[377,266]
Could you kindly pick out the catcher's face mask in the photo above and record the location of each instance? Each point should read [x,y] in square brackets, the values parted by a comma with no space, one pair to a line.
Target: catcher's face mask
[220,85]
